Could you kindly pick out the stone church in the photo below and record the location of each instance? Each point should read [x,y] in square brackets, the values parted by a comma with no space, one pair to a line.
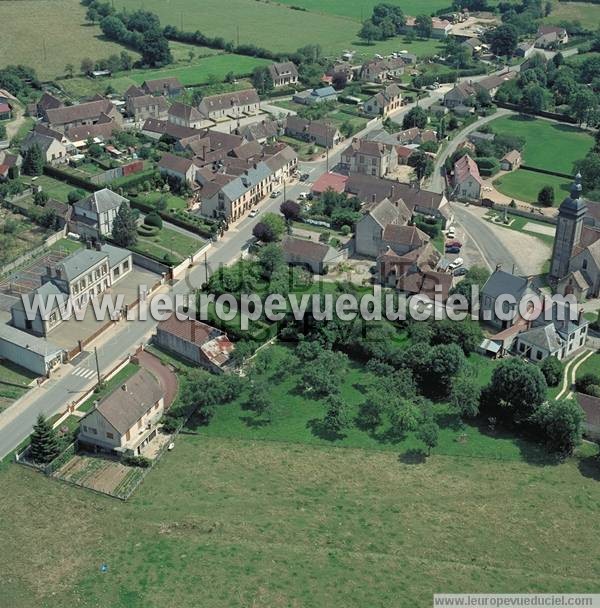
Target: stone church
[575,263]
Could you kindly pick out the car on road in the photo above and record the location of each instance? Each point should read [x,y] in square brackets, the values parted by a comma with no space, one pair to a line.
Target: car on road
[253,212]
[454,244]
[452,249]
[304,177]
[459,272]
[275,193]
[303,196]
[450,233]
[456,263]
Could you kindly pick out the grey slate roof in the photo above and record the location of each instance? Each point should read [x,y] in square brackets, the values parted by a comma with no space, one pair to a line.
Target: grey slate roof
[501,282]
[545,337]
[47,293]
[115,254]
[238,186]
[79,262]
[101,201]
[384,213]
[39,346]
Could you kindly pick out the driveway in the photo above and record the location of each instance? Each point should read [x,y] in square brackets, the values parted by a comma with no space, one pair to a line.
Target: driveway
[165,376]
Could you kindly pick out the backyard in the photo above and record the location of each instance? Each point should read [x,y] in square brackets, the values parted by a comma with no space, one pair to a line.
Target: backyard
[525,185]
[52,187]
[168,243]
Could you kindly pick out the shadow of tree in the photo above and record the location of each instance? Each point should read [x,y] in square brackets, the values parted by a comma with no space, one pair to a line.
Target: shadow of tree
[318,429]
[255,423]
[590,467]
[413,456]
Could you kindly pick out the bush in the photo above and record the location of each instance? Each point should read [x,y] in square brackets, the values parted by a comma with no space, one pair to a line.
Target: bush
[153,219]
[145,230]
[136,461]
[345,230]
[552,369]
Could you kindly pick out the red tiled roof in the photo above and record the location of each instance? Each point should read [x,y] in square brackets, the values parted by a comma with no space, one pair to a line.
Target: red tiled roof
[465,167]
[333,181]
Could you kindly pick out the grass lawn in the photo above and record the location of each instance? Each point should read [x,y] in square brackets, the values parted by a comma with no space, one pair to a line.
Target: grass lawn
[296,521]
[109,386]
[198,72]
[52,187]
[305,150]
[543,137]
[66,246]
[519,223]
[173,202]
[590,366]
[49,34]
[525,185]
[170,242]
[14,383]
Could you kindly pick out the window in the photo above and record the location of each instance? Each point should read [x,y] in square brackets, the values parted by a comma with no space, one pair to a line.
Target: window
[125,265]
[584,264]
[538,355]
[85,429]
[109,435]
[93,431]
[522,347]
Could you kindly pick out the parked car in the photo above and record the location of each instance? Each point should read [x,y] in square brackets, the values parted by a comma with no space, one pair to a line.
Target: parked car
[303,196]
[454,244]
[457,262]
[459,272]
[452,249]
[275,193]
[304,177]
[253,212]
[450,233]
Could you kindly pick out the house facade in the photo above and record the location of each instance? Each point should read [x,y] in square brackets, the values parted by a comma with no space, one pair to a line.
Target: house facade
[368,238]
[185,116]
[93,216]
[142,107]
[126,420]
[467,181]
[316,257]
[230,105]
[283,74]
[385,102]
[370,158]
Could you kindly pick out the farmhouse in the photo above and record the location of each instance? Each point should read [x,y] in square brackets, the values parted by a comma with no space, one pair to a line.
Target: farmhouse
[316,257]
[10,165]
[230,105]
[370,158]
[283,74]
[126,420]
[142,107]
[178,167]
[155,129]
[385,102]
[89,113]
[467,181]
[550,35]
[53,150]
[440,27]
[195,341]
[320,132]
[170,87]
[93,216]
[185,116]
[47,102]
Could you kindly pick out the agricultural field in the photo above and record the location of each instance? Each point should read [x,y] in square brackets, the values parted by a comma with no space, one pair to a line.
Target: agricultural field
[361,9]
[300,525]
[289,29]
[525,185]
[49,34]
[198,72]
[542,138]
[588,14]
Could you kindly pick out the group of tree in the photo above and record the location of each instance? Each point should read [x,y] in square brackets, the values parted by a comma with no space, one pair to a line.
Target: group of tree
[139,30]
[386,21]
[115,63]
[338,209]
[262,80]
[19,80]
[270,228]
[33,161]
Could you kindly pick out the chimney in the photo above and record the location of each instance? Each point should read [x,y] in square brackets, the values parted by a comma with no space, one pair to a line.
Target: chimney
[498,267]
[88,245]
[580,316]
[49,270]
[98,246]
[373,197]
[58,272]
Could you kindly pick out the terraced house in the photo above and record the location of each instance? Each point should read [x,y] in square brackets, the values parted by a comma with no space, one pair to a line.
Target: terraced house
[230,105]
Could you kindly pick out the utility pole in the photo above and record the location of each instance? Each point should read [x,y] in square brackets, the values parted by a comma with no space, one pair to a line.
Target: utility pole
[97,366]
[284,190]
[181,19]
[205,268]
[238,35]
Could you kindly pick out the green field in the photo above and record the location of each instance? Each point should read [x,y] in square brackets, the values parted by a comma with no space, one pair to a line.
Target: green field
[200,71]
[588,14]
[168,242]
[362,9]
[549,145]
[48,34]
[287,29]
[525,185]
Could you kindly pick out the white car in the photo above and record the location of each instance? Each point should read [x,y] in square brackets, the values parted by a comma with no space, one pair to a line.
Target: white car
[457,262]
[450,233]
[253,213]
[303,196]
[275,193]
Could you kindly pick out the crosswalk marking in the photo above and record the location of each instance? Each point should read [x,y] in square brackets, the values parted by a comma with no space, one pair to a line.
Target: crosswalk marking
[84,372]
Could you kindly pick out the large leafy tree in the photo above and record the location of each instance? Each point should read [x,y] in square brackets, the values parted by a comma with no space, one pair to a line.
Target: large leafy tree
[503,40]
[124,228]
[465,395]
[44,445]
[561,424]
[424,26]
[428,433]
[33,161]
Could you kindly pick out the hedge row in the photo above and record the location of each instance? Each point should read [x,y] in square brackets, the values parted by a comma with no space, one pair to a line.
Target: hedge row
[546,172]
[65,176]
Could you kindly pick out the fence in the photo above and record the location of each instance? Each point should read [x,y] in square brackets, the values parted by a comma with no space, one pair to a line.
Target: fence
[111,175]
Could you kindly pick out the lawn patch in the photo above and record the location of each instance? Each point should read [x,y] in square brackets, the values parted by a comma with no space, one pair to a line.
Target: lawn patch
[525,185]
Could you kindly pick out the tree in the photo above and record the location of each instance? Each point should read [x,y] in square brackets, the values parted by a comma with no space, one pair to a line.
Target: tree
[421,163]
[155,49]
[337,417]
[33,161]
[428,433]
[263,232]
[75,195]
[262,80]
[416,117]
[444,361]
[424,25]
[87,65]
[124,228]
[404,415]
[561,423]
[552,369]
[369,32]
[259,400]
[270,259]
[126,61]
[589,167]
[546,196]
[503,40]
[69,70]
[536,97]
[517,389]
[371,411]
[588,384]
[290,210]
[44,445]
[40,198]
[584,105]
[275,223]
[339,80]
[464,396]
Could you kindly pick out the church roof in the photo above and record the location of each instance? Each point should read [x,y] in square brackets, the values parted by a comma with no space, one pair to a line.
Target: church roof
[574,203]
